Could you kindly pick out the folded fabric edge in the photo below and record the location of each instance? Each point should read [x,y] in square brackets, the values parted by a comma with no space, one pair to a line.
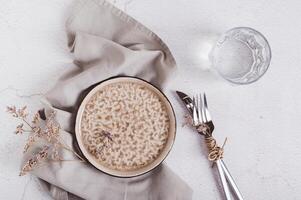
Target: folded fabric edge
[78,5]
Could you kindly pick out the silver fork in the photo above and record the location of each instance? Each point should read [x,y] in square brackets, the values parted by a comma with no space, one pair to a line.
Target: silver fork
[201,116]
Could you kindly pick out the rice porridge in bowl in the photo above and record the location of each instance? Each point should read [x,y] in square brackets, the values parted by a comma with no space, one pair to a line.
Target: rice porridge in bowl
[125,126]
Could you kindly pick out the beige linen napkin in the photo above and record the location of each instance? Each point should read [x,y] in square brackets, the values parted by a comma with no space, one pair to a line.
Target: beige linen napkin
[106,42]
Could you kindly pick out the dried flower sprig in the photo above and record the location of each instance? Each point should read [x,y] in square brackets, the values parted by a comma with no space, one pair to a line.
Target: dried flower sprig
[34,161]
[215,151]
[44,129]
[18,113]
[107,139]
[188,121]
[19,129]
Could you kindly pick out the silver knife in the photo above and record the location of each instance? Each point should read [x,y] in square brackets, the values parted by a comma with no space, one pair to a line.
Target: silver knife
[186,100]
[188,103]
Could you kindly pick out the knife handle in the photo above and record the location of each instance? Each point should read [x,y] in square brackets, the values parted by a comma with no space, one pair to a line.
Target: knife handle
[231,181]
[223,180]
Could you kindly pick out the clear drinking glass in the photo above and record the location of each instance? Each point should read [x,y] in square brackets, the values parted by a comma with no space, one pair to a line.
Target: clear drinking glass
[241,55]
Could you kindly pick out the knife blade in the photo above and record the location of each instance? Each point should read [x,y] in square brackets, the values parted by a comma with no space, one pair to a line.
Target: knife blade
[186,100]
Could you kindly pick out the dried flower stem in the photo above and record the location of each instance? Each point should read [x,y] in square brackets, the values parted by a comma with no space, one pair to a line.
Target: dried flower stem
[62,145]
[42,128]
[68,160]
[26,122]
[71,150]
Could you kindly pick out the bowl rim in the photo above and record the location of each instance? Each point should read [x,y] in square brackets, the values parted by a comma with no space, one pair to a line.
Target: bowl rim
[140,171]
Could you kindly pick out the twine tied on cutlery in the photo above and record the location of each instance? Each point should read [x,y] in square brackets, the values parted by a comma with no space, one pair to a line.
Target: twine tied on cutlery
[215,152]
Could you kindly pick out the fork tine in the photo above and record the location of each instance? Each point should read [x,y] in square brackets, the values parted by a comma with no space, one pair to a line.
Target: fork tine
[199,110]
[194,113]
[195,105]
[205,100]
[203,109]
[207,113]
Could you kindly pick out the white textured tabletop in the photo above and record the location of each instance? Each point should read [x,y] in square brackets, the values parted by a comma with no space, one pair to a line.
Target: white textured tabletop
[261,120]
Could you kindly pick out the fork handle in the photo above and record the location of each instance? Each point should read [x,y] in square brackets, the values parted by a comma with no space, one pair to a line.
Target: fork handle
[223,180]
[231,181]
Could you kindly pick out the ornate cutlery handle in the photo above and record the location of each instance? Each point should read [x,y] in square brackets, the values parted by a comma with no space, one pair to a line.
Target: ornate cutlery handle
[231,181]
[223,179]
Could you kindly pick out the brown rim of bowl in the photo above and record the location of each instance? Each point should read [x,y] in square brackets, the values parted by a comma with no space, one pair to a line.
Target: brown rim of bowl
[133,173]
